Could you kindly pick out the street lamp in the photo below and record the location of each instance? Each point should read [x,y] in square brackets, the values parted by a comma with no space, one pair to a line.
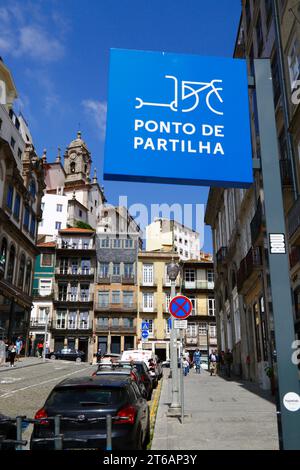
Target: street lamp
[207,341]
[173,271]
[47,311]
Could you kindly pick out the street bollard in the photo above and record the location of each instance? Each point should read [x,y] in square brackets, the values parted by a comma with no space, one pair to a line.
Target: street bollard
[108,432]
[58,438]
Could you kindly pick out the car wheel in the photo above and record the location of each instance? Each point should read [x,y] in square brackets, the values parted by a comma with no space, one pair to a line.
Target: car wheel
[52,356]
[78,359]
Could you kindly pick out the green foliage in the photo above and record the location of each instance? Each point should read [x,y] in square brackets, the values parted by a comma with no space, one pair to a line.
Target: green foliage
[269,371]
[80,224]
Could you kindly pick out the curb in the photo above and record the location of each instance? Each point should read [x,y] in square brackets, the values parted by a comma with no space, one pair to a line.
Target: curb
[153,410]
[8,369]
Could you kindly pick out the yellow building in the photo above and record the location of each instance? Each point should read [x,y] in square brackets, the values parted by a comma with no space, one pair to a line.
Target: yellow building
[154,291]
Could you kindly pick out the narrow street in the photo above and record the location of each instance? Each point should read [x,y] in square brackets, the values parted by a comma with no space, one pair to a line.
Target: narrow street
[220,415]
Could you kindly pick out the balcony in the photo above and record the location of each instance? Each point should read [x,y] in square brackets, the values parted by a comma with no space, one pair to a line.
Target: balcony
[121,328]
[68,245]
[39,322]
[294,256]
[80,298]
[42,294]
[167,283]
[128,280]
[84,272]
[147,308]
[293,223]
[115,307]
[249,269]
[72,325]
[191,340]
[199,284]
[257,225]
[146,283]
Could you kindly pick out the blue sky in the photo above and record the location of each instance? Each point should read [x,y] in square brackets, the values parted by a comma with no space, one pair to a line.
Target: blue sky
[58,52]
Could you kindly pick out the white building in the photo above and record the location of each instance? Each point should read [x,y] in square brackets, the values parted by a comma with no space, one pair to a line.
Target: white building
[164,234]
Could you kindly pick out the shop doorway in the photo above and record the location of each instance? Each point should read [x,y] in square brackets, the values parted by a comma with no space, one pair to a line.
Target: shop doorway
[83,345]
[128,342]
[115,345]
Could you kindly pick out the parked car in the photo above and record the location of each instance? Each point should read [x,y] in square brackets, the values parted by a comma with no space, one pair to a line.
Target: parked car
[85,398]
[110,357]
[144,374]
[8,430]
[122,369]
[67,354]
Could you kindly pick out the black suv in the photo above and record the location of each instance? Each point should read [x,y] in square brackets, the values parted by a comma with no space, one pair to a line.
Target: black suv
[85,398]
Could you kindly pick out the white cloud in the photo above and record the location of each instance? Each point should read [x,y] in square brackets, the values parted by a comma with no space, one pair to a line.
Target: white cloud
[25,32]
[97,110]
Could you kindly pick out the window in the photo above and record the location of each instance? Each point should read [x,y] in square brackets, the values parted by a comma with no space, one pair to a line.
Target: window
[212,331]
[103,298]
[102,321]
[103,269]
[115,322]
[84,320]
[28,276]
[10,195]
[202,328]
[128,270]
[17,206]
[148,274]
[128,243]
[72,317]
[128,298]
[21,272]
[62,291]
[19,153]
[211,306]
[12,142]
[210,276]
[268,7]
[116,297]
[32,188]
[45,287]
[85,266]
[32,225]
[275,76]
[104,243]
[181,251]
[59,207]
[186,242]
[294,60]
[116,269]
[84,292]
[61,319]
[256,331]
[3,254]
[43,313]
[264,333]
[148,298]
[46,259]
[72,167]
[11,264]
[237,319]
[192,330]
[128,322]
[186,254]
[116,243]
[189,275]
[193,301]
[168,300]
[80,213]
[57,225]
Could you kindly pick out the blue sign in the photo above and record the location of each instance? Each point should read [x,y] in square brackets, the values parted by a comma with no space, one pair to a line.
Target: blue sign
[145,334]
[170,323]
[180,119]
[145,325]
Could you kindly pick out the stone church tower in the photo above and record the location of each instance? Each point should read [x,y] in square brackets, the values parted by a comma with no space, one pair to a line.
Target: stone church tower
[77,163]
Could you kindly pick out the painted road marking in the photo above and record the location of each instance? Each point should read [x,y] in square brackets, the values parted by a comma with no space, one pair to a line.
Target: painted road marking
[12,392]
[9,380]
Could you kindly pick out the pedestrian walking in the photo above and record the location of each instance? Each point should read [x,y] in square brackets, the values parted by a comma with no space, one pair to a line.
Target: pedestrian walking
[197,360]
[40,348]
[185,364]
[12,354]
[228,357]
[19,346]
[213,363]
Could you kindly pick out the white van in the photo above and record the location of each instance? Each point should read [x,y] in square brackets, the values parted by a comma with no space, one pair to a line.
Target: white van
[138,355]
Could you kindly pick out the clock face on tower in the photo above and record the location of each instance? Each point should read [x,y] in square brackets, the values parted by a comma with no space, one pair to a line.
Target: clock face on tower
[73,156]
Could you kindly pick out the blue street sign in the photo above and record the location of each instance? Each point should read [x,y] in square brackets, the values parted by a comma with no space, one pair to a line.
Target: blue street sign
[170,323]
[145,325]
[145,334]
[176,118]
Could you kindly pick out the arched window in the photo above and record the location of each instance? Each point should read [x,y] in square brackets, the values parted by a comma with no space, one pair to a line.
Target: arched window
[28,277]
[21,272]
[11,264]
[72,167]
[85,169]
[3,254]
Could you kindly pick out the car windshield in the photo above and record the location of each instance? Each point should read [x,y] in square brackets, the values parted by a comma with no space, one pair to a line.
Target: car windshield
[70,397]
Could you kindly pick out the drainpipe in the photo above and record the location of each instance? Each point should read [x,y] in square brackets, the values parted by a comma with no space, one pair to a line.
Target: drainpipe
[283,84]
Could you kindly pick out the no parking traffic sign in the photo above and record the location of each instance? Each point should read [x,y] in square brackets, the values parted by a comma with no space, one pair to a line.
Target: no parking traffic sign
[180,307]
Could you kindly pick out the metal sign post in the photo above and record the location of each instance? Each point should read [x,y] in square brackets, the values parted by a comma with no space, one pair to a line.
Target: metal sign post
[181,379]
[288,375]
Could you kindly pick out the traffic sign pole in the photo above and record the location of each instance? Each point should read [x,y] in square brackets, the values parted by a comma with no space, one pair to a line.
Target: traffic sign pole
[175,408]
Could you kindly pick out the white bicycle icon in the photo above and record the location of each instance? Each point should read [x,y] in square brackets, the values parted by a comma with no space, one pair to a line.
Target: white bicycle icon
[190,89]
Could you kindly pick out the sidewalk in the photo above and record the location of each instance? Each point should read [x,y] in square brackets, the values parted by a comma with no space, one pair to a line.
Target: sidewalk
[24,362]
[221,415]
